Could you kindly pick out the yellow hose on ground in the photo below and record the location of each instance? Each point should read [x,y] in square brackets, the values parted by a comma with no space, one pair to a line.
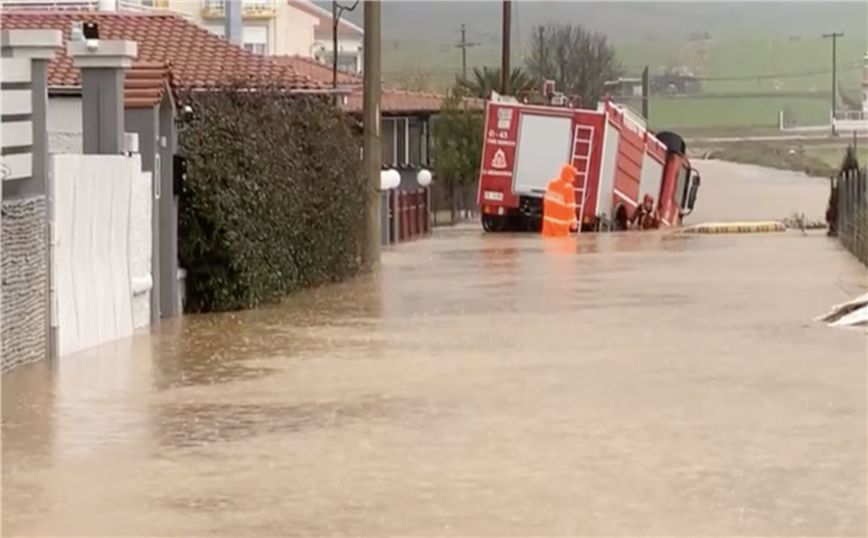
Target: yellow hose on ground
[736,227]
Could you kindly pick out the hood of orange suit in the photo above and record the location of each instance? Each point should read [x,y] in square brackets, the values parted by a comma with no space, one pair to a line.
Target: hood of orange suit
[568,173]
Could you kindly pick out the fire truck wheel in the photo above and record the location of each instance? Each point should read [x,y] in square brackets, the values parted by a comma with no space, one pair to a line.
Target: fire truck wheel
[493,223]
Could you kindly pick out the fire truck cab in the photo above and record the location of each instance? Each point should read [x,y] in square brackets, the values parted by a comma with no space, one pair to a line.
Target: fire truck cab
[619,161]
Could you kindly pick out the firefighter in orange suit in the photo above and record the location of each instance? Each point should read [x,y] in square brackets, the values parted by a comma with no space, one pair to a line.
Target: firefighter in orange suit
[559,205]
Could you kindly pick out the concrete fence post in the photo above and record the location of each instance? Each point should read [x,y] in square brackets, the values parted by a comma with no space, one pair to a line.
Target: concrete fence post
[102,90]
[29,197]
[39,46]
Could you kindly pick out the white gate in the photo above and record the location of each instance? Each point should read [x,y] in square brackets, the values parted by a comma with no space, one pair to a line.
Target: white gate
[95,213]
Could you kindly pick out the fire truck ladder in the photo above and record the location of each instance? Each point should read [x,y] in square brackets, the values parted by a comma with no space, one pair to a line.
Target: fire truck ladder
[582,139]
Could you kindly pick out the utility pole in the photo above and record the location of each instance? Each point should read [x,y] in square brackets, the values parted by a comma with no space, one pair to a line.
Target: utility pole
[335,46]
[834,36]
[464,45]
[337,11]
[504,57]
[371,114]
[646,93]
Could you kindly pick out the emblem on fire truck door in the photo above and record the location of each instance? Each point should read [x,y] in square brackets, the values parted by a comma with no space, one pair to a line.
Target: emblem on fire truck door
[504,118]
[499,159]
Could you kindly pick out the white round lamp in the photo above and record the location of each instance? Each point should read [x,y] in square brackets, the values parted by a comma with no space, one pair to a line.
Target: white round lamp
[385,179]
[394,178]
[423,178]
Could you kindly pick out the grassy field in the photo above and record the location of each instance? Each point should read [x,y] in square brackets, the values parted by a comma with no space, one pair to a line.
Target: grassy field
[821,158]
[722,113]
[774,67]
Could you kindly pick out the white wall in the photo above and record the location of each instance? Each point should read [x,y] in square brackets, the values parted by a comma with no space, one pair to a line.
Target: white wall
[64,124]
[99,247]
[295,31]
[140,248]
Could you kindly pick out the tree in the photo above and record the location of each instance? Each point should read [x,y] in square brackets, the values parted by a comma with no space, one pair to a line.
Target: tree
[458,144]
[579,61]
[850,160]
[487,79]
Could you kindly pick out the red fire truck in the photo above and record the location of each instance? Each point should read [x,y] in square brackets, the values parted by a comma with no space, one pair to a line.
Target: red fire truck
[619,160]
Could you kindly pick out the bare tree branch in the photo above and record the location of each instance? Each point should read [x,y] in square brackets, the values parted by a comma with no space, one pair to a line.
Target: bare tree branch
[579,61]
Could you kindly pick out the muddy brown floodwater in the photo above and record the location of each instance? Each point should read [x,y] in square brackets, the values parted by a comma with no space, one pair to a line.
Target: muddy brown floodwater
[615,385]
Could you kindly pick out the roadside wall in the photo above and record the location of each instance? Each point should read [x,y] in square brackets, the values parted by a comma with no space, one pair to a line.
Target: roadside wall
[853,212]
[24,335]
[25,281]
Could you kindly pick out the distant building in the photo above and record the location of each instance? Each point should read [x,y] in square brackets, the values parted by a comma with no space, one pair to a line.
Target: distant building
[676,81]
[624,87]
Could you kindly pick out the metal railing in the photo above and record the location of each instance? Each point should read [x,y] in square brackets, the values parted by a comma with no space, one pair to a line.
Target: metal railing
[852,217]
[82,5]
[88,5]
[250,8]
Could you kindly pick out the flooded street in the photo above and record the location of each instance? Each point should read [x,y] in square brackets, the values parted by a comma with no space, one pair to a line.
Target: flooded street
[651,384]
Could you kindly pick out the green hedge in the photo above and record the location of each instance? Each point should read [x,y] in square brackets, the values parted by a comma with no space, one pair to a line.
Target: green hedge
[274,197]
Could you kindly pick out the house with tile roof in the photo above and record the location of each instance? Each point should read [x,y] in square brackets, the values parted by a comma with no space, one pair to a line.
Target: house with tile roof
[269,27]
[192,58]
[197,58]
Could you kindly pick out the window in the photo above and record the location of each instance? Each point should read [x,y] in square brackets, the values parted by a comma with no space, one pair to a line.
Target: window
[401,141]
[388,141]
[681,185]
[416,134]
[432,147]
[257,48]
[255,39]
[346,61]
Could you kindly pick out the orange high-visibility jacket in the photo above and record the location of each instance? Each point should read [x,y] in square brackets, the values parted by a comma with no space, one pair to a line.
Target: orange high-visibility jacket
[559,205]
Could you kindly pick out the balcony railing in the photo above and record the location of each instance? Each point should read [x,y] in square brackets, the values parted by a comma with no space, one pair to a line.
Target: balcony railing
[251,9]
[90,5]
[74,5]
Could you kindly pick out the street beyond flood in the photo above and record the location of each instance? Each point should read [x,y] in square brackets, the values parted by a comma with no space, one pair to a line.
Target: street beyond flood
[634,384]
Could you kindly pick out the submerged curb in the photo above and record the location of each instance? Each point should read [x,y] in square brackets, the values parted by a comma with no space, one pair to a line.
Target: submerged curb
[736,227]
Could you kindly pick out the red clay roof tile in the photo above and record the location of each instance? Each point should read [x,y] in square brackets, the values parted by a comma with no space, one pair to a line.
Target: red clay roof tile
[394,101]
[145,84]
[318,71]
[197,57]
